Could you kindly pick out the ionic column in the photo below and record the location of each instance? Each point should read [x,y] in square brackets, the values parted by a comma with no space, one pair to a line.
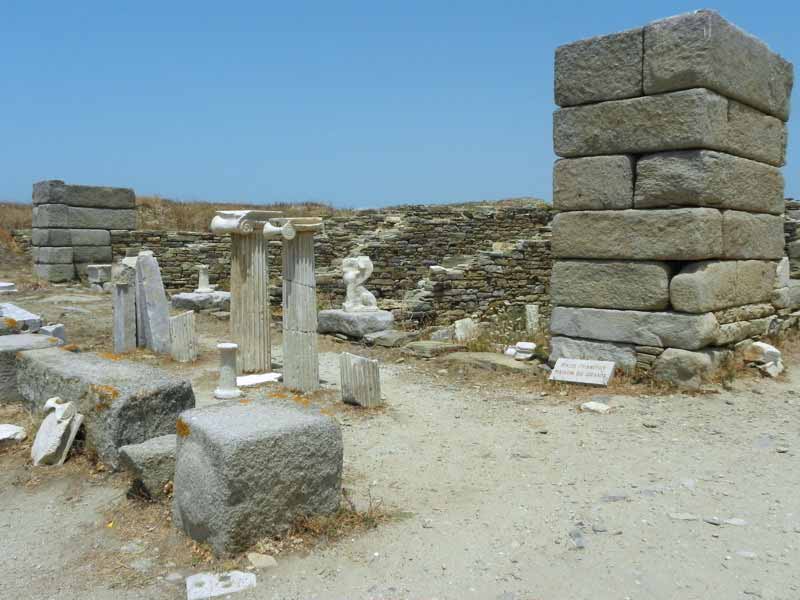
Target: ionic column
[300,362]
[250,315]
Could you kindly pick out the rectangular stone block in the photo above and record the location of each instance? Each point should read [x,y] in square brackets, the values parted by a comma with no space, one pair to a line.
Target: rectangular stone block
[55,273]
[678,234]
[92,254]
[9,346]
[607,67]
[52,256]
[50,216]
[123,402]
[747,235]
[98,273]
[708,178]
[360,380]
[623,355]
[662,329]
[701,49]
[713,285]
[685,120]
[90,237]
[51,237]
[152,307]
[101,218]
[57,192]
[593,183]
[123,297]
[183,337]
[610,284]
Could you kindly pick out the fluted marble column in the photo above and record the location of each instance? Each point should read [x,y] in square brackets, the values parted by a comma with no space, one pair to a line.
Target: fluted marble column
[300,361]
[250,314]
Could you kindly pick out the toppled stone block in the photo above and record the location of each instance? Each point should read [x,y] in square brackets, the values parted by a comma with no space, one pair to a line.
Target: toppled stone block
[746,235]
[55,191]
[18,319]
[152,464]
[198,301]
[391,338]
[664,329]
[623,355]
[761,352]
[52,256]
[703,50]
[56,330]
[607,67]
[246,471]
[354,324]
[56,433]
[707,178]
[431,348]
[489,361]
[679,234]
[610,284]
[686,120]
[360,380]
[593,183]
[123,402]
[713,285]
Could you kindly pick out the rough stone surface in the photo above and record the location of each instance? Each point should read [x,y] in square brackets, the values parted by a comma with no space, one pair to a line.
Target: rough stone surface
[50,255]
[18,318]
[90,237]
[56,433]
[682,368]
[713,285]
[392,338]
[679,234]
[610,284]
[152,463]
[9,346]
[98,273]
[247,471]
[124,314]
[360,380]
[731,333]
[593,183]
[430,349]
[703,50]
[665,329]
[56,330]
[152,307]
[707,178]
[490,361]
[354,324]
[746,235]
[782,273]
[465,330]
[685,120]
[623,355]
[51,237]
[201,586]
[123,402]
[55,191]
[198,301]
[92,254]
[607,67]
[55,273]
[183,337]
[61,216]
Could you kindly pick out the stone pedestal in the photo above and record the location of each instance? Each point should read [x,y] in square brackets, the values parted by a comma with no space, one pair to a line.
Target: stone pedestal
[202,280]
[250,315]
[226,387]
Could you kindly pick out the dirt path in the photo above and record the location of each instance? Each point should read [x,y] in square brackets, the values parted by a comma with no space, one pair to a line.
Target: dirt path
[497,492]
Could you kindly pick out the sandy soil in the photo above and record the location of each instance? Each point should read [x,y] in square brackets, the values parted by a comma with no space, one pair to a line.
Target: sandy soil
[491,490]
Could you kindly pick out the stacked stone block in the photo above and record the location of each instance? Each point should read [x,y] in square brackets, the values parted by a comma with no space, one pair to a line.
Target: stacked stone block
[72,226]
[669,190]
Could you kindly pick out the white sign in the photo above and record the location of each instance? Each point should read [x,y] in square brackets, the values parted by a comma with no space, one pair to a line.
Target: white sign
[576,370]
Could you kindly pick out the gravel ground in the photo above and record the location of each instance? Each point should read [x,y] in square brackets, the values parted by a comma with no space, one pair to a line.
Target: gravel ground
[496,492]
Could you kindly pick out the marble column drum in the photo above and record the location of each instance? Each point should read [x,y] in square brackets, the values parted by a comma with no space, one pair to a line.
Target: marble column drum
[226,386]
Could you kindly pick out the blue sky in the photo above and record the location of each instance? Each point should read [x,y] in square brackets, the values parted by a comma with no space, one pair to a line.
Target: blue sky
[356,103]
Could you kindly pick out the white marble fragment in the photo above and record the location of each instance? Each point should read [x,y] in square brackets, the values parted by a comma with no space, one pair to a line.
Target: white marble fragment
[465,330]
[257,379]
[56,434]
[6,287]
[210,585]
[11,434]
[356,271]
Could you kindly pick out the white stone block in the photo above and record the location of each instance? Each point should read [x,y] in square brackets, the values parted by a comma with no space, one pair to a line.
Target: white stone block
[360,379]
[183,337]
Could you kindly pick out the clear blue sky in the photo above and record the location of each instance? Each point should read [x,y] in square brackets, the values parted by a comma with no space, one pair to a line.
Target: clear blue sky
[356,103]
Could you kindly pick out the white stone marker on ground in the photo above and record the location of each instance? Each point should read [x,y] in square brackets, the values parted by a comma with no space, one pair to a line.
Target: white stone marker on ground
[6,287]
[226,387]
[300,361]
[210,585]
[360,380]
[56,433]
[250,314]
[124,304]
[576,370]
[183,337]
[257,379]
[152,307]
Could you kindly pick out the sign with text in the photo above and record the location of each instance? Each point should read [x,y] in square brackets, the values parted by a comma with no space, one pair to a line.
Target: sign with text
[576,370]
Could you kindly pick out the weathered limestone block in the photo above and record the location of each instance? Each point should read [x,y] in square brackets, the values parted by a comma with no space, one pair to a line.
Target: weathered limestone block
[623,355]
[701,49]
[152,307]
[152,463]
[713,285]
[354,324]
[744,313]
[782,273]
[607,67]
[55,273]
[61,216]
[685,120]
[593,183]
[746,235]
[787,297]
[685,369]
[123,402]
[730,333]
[9,346]
[98,273]
[360,380]
[92,254]
[431,349]
[90,237]
[247,471]
[50,216]
[198,301]
[610,284]
[57,192]
[678,234]
[51,237]
[665,329]
[707,178]
[52,256]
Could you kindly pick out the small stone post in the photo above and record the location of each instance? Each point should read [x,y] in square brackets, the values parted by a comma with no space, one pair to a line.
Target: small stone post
[183,337]
[300,363]
[250,315]
[226,386]
[202,280]
[360,380]
[124,303]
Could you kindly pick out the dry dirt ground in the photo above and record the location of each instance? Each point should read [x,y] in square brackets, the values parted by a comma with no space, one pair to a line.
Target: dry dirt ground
[481,485]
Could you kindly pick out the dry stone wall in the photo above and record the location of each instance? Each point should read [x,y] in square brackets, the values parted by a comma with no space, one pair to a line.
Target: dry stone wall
[670,193]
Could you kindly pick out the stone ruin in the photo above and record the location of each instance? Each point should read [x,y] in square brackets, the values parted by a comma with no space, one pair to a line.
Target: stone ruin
[669,241]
